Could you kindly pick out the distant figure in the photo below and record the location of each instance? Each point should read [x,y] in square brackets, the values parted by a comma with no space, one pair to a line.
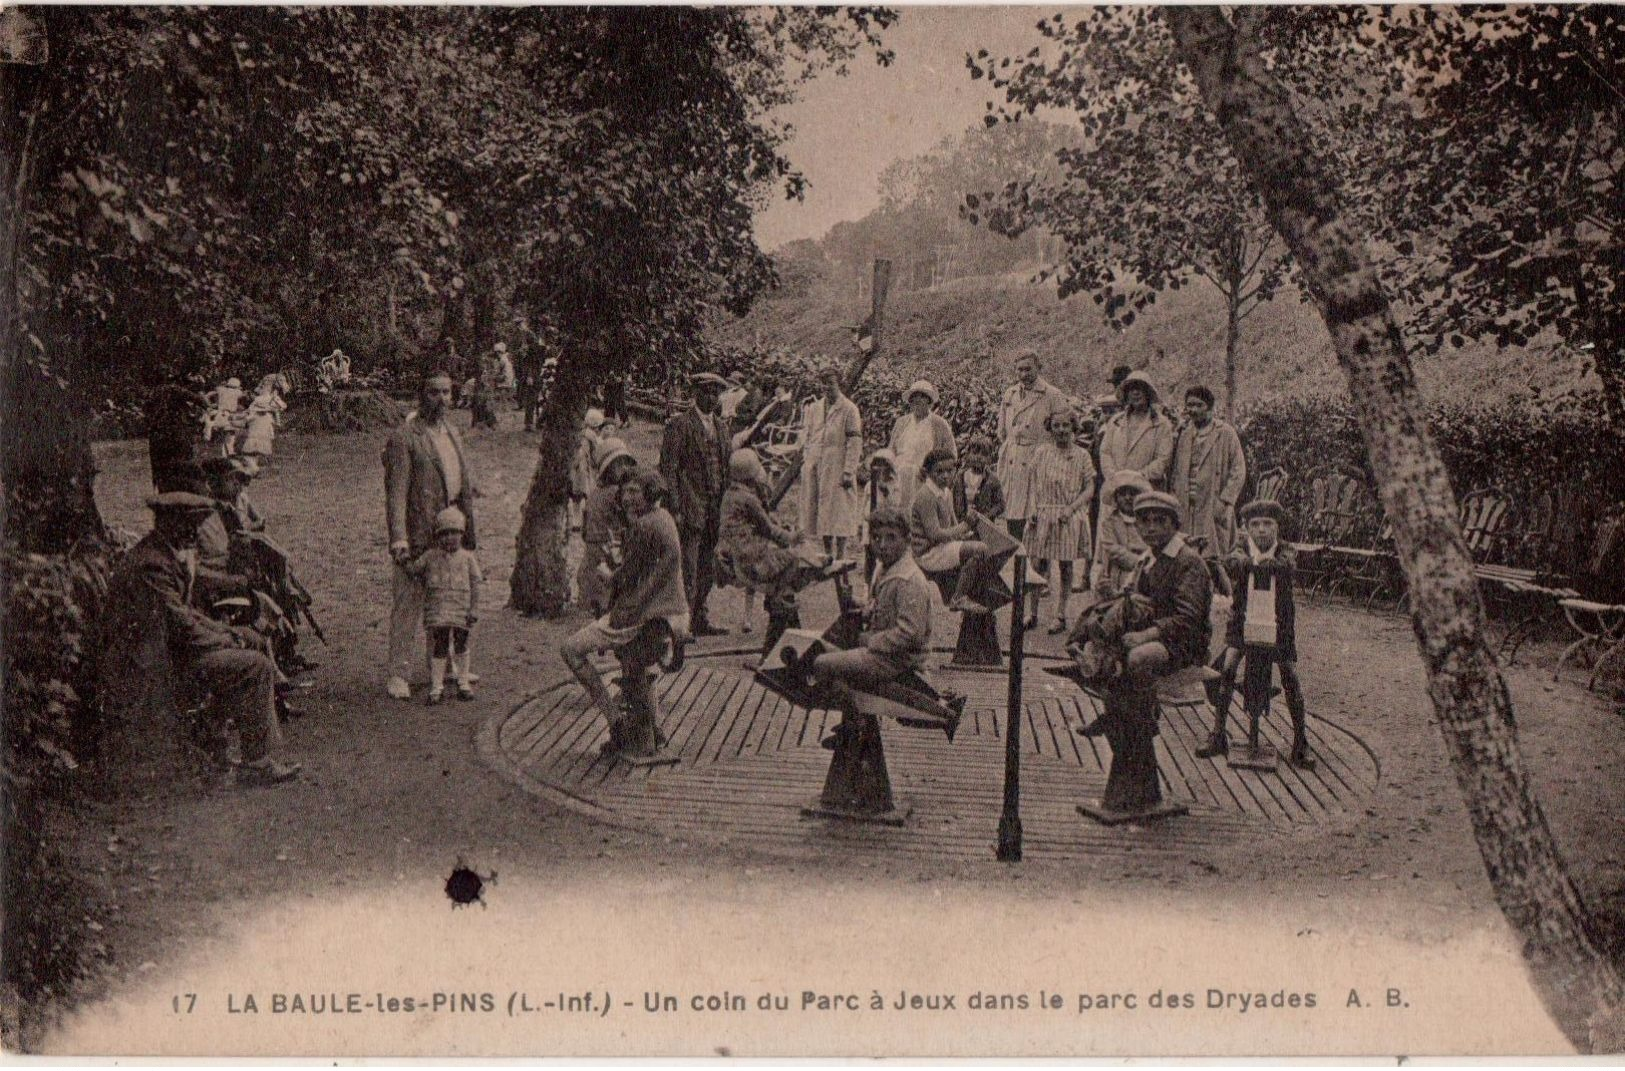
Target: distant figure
[916,435]
[333,371]
[1024,409]
[1208,472]
[263,418]
[222,415]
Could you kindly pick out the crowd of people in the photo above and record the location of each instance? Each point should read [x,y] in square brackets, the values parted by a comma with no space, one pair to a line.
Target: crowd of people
[1111,495]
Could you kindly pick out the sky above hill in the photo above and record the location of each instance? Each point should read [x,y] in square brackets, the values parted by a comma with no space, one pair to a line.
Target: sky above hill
[848,129]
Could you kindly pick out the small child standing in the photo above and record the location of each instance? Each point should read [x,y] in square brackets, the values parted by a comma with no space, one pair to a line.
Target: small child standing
[1262,631]
[451,579]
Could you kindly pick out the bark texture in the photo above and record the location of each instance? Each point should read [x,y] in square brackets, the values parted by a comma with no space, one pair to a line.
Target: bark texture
[541,582]
[1581,988]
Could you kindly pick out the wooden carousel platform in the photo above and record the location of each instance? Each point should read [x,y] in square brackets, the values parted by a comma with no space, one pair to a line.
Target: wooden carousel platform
[750,761]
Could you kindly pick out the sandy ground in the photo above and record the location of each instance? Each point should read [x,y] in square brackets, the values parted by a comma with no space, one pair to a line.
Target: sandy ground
[334,884]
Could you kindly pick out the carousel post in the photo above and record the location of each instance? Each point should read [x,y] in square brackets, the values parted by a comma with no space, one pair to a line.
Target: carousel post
[1009,849]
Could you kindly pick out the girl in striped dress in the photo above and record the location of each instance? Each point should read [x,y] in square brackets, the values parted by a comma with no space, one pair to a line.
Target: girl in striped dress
[1063,483]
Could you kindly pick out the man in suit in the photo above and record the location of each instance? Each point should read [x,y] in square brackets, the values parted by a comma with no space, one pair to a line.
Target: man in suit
[693,459]
[155,582]
[1024,408]
[1176,581]
[425,470]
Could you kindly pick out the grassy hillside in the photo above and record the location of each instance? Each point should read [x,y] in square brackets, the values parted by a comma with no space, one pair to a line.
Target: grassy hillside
[1179,341]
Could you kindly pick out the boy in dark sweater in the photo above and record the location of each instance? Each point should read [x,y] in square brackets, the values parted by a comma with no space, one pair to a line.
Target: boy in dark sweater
[1262,629]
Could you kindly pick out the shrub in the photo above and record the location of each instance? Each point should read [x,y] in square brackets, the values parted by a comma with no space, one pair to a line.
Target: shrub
[50,607]
[1561,458]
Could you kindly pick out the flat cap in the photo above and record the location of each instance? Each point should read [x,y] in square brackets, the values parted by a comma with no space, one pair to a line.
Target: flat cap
[179,502]
[1263,507]
[1157,501]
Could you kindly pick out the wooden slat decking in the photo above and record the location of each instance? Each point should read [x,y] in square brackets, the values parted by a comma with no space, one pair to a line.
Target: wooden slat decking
[751,760]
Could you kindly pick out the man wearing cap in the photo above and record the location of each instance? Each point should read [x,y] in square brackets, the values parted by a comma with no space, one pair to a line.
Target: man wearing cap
[897,620]
[1024,412]
[693,459]
[1138,436]
[1207,474]
[425,470]
[917,435]
[1176,581]
[226,661]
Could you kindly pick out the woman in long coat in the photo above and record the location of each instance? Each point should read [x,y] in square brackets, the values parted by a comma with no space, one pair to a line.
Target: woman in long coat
[834,433]
[918,434]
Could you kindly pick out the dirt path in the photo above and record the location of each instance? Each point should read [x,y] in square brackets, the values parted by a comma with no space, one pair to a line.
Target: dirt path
[394,793]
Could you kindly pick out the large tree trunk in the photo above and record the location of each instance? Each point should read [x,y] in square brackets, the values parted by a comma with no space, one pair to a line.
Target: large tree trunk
[1531,884]
[541,581]
[45,459]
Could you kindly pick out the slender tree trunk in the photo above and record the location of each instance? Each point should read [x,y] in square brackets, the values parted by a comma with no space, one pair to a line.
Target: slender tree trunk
[1232,343]
[1530,881]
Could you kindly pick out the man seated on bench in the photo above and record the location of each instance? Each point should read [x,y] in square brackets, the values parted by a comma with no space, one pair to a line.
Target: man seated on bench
[896,623]
[647,588]
[1175,578]
[940,541]
[226,661]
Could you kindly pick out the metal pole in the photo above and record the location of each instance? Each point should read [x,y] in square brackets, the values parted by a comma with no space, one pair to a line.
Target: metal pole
[1009,850]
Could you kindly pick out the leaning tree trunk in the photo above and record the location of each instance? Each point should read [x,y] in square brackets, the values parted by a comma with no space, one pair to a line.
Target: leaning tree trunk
[1577,983]
[541,580]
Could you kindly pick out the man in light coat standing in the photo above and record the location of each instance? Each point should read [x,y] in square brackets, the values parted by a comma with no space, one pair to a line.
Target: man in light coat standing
[693,460]
[1023,410]
[425,470]
[1207,475]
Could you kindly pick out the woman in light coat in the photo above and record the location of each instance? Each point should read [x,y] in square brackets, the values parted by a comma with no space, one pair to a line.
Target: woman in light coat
[918,434]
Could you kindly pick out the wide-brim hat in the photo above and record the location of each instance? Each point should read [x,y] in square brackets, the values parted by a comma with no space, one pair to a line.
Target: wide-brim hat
[450,519]
[594,419]
[1125,478]
[609,451]
[886,454]
[1263,507]
[922,386]
[1157,502]
[234,382]
[707,381]
[1137,379]
[180,502]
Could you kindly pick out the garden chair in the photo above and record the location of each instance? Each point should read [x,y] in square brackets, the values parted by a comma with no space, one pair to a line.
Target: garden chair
[1272,484]
[1600,619]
